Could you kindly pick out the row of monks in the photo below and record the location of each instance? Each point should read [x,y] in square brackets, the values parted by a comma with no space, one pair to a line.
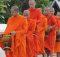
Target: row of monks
[35,33]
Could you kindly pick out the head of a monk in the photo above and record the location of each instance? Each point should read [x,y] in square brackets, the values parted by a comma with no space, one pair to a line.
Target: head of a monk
[14,10]
[32,3]
[46,11]
[26,13]
[51,10]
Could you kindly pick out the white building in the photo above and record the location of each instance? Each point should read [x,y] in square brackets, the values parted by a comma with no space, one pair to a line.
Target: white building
[56,5]
[3,27]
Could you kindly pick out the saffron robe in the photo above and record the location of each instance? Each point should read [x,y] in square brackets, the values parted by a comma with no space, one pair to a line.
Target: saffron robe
[39,32]
[57,46]
[30,37]
[50,40]
[19,25]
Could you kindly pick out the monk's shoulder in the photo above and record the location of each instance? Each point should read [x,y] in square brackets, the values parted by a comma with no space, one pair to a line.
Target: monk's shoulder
[32,20]
[44,17]
[10,19]
[38,10]
[22,18]
[54,17]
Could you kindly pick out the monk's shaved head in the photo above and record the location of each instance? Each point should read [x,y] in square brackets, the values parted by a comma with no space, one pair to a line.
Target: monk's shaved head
[46,10]
[49,10]
[15,8]
[31,0]
[26,12]
[32,3]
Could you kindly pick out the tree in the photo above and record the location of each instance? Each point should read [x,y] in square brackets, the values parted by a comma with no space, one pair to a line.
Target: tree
[2,11]
[43,3]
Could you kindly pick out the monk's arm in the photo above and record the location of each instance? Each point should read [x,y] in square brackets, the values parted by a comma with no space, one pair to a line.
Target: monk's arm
[55,23]
[7,28]
[45,24]
[23,28]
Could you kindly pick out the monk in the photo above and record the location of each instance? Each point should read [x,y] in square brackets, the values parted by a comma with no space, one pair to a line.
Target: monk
[51,31]
[57,46]
[17,25]
[30,34]
[36,14]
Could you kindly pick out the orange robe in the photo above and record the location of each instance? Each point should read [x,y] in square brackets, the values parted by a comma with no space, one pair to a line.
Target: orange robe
[1,44]
[40,28]
[40,34]
[30,37]
[57,46]
[35,13]
[19,25]
[50,40]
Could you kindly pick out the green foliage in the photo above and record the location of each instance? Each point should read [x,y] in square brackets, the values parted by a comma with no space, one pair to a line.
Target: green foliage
[2,11]
[43,3]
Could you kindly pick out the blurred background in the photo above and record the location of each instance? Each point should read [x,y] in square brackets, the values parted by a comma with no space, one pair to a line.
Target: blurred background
[5,6]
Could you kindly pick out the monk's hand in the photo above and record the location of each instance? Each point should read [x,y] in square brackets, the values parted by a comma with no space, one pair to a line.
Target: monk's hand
[58,32]
[13,33]
[49,28]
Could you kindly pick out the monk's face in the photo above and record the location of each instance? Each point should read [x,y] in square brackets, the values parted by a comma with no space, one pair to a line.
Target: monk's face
[26,13]
[14,12]
[46,11]
[32,4]
[51,12]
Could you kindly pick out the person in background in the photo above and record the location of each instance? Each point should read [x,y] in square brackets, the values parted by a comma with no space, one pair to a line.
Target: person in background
[30,34]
